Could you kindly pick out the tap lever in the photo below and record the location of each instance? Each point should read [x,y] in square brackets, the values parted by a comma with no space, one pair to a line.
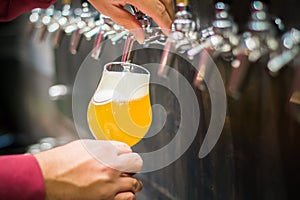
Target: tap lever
[204,70]
[127,52]
[118,36]
[239,72]
[167,58]
[294,101]
[290,49]
[97,46]
[276,63]
[141,17]
[35,20]
[84,24]
[46,20]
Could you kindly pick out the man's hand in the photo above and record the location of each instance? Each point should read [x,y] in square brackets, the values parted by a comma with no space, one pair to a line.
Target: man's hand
[73,171]
[161,11]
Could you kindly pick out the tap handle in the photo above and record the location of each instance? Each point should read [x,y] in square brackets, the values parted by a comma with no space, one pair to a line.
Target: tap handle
[294,101]
[104,31]
[75,41]
[34,19]
[97,45]
[167,58]
[57,38]
[203,73]
[127,51]
[239,71]
[141,17]
[46,20]
[275,64]
[290,49]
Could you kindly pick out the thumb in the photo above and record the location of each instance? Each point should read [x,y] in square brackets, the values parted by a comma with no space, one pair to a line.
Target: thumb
[129,162]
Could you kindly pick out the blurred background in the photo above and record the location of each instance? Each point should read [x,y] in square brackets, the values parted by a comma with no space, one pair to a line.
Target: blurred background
[257,155]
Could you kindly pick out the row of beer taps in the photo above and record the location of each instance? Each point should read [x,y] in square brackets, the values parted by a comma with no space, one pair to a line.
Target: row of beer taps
[76,23]
[265,36]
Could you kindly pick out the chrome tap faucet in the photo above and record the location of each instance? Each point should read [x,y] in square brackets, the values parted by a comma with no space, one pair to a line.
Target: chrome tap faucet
[46,20]
[289,50]
[130,40]
[84,24]
[217,40]
[181,39]
[62,21]
[258,41]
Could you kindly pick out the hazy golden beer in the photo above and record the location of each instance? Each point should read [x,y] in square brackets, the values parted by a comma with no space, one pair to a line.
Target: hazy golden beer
[120,108]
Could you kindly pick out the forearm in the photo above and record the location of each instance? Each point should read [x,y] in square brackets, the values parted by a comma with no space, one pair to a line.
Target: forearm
[10,9]
[21,178]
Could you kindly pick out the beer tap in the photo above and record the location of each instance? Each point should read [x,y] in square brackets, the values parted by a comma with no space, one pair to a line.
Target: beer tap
[35,20]
[181,39]
[104,29]
[130,40]
[259,40]
[65,18]
[221,37]
[289,50]
[46,20]
[217,40]
[294,100]
[84,23]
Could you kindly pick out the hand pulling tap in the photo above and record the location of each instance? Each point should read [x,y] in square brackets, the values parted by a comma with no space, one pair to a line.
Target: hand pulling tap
[130,40]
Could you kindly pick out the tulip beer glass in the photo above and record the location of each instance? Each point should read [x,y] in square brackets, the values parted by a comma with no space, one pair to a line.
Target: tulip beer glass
[120,108]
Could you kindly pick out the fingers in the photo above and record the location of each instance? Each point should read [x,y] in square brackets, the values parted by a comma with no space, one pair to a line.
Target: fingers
[97,146]
[170,8]
[130,163]
[114,154]
[126,184]
[127,174]
[121,16]
[161,11]
[125,196]
[123,147]
[127,20]
[124,18]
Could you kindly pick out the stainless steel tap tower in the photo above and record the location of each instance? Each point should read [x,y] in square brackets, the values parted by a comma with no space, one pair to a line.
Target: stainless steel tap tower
[257,54]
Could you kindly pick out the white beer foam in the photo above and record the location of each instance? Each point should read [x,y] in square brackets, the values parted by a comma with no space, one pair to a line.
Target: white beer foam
[121,86]
[103,97]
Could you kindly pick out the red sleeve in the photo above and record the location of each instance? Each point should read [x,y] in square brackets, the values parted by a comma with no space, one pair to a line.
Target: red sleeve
[21,178]
[10,9]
